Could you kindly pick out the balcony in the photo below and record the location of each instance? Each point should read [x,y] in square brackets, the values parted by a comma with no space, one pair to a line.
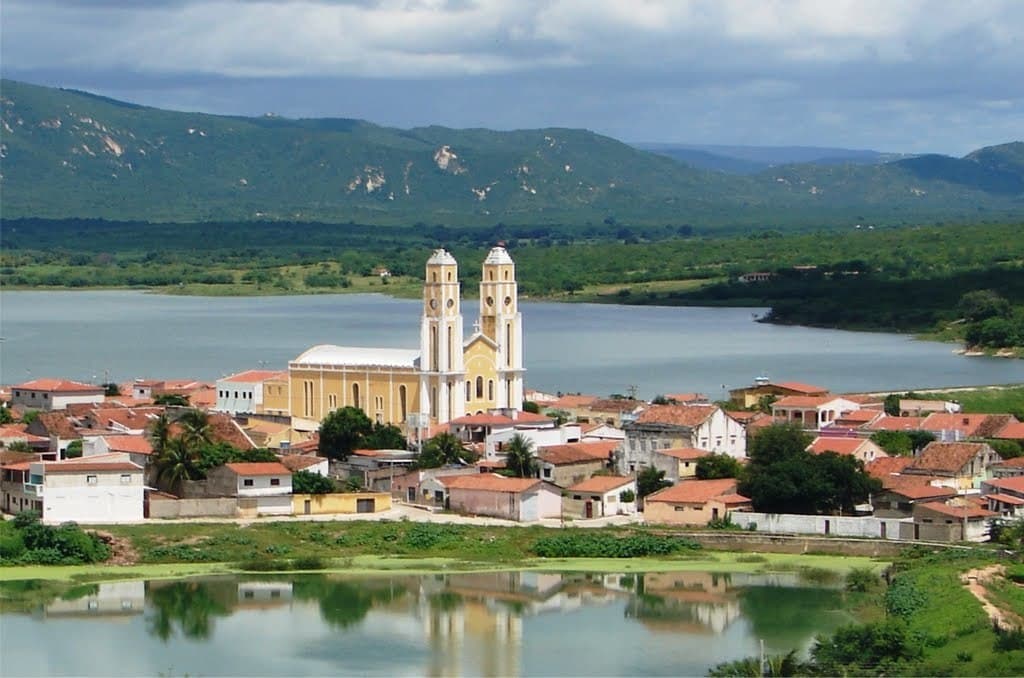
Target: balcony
[33,489]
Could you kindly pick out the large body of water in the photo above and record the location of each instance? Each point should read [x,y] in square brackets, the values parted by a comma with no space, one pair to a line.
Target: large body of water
[601,349]
[487,624]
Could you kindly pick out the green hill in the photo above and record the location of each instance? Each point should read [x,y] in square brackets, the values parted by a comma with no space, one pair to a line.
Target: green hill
[74,154]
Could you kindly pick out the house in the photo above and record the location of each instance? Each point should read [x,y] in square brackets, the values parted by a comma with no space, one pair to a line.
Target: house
[1009,486]
[601,496]
[965,463]
[54,394]
[952,520]
[686,398]
[375,469]
[138,448]
[265,487]
[306,462]
[613,411]
[57,428]
[750,396]
[573,406]
[478,428]
[1008,468]
[127,420]
[1013,430]
[890,423]
[694,502]
[954,427]
[565,465]
[100,490]
[425,486]
[252,391]
[861,448]
[272,434]
[13,434]
[679,463]
[495,445]
[519,499]
[901,493]
[856,419]
[663,427]
[812,412]
[1006,505]
[600,431]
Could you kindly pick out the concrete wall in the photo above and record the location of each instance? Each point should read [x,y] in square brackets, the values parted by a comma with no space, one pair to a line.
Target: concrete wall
[665,513]
[838,526]
[606,504]
[544,502]
[114,497]
[484,503]
[194,508]
[338,502]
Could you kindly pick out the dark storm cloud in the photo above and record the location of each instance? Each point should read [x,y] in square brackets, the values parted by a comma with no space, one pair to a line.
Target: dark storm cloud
[913,76]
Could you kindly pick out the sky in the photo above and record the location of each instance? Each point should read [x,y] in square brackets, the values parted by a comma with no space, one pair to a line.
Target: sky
[892,75]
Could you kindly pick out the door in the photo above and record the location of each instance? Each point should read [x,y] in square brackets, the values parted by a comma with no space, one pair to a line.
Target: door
[412,495]
[365,505]
[828,527]
[883,530]
[714,514]
[589,508]
[307,506]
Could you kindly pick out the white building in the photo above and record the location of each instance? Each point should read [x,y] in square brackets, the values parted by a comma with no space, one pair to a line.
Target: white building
[55,394]
[137,447]
[101,490]
[664,427]
[812,412]
[242,393]
[268,483]
[601,496]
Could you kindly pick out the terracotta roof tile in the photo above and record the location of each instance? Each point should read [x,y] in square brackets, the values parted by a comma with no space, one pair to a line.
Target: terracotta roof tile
[299,462]
[807,389]
[886,466]
[81,466]
[890,423]
[489,482]
[55,423]
[909,488]
[133,444]
[939,457]
[1015,484]
[824,444]
[253,376]
[1016,462]
[695,491]
[687,416]
[1006,498]
[614,405]
[1013,430]
[964,511]
[570,402]
[576,453]
[803,401]
[684,453]
[58,386]
[601,484]
[966,424]
[482,420]
[259,468]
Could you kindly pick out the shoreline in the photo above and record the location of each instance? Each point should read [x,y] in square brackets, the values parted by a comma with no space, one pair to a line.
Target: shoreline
[752,562]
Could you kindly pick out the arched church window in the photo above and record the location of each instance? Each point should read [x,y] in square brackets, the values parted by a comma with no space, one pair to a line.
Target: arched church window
[506,275]
[490,275]
[402,401]
[355,395]
[433,277]
[490,389]
[508,301]
[479,387]
[469,390]
[449,276]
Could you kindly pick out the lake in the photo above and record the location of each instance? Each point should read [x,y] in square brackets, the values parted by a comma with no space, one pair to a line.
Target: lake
[593,348]
[489,624]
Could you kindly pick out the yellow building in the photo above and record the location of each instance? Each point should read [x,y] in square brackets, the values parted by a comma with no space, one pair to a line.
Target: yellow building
[448,377]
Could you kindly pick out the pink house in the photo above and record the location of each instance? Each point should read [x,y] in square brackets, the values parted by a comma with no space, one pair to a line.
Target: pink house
[520,499]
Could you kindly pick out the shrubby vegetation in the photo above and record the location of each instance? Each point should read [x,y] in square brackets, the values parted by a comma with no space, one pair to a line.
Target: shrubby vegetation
[587,544]
[27,541]
[348,429]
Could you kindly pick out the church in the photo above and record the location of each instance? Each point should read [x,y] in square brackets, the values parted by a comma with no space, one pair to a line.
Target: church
[447,377]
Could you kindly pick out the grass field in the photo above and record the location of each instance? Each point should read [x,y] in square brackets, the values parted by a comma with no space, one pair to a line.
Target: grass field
[988,400]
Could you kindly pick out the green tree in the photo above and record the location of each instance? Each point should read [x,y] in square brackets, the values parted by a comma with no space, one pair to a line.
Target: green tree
[714,466]
[74,450]
[195,427]
[982,304]
[519,457]
[111,389]
[176,464]
[649,480]
[895,443]
[530,406]
[344,431]
[880,648]
[307,482]
[159,433]
[442,450]
[891,404]
[29,417]
[5,415]
[171,400]
[385,437]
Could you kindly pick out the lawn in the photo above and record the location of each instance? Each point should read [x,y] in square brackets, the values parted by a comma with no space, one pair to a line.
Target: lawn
[989,400]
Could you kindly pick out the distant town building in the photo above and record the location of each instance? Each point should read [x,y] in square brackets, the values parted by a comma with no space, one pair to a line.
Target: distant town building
[54,394]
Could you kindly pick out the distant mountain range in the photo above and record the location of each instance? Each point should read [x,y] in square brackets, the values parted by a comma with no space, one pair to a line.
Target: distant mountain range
[73,154]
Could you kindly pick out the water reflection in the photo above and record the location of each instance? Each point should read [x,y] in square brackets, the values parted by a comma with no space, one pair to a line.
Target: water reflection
[484,623]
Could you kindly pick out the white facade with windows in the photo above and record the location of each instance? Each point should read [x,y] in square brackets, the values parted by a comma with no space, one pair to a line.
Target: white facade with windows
[95,491]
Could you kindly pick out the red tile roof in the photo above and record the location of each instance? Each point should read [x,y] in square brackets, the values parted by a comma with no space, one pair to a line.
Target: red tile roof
[55,423]
[259,468]
[967,424]
[253,376]
[806,402]
[489,482]
[1015,484]
[886,466]
[299,462]
[601,484]
[687,398]
[78,466]
[862,416]
[1013,430]
[1016,462]
[575,453]
[806,389]
[939,457]
[482,420]
[684,453]
[570,402]
[531,418]
[687,416]
[1006,498]
[731,499]
[58,386]
[838,445]
[695,491]
[965,511]
[889,423]
[134,444]
[132,418]
[911,489]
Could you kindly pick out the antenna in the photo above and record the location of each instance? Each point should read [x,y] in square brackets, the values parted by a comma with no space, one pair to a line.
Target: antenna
[632,389]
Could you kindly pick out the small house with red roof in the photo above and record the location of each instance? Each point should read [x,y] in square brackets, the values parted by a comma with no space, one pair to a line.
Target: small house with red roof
[952,520]
[264,488]
[571,463]
[54,394]
[750,396]
[812,411]
[518,499]
[694,502]
[100,490]
[679,463]
[601,496]
[964,463]
[1008,468]
[245,392]
[859,448]
[961,426]
[138,448]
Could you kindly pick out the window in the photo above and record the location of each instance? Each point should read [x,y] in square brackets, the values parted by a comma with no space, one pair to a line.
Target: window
[576,496]
[274,482]
[469,390]
[332,401]
[547,472]
[247,482]
[379,402]
[236,394]
[91,480]
[402,401]
[45,396]
[508,344]
[490,389]
[248,594]
[680,508]
[355,395]
[479,387]
[33,396]
[126,479]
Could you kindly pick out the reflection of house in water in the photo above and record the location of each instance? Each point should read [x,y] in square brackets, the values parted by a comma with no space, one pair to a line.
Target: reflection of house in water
[110,599]
[689,602]
[263,594]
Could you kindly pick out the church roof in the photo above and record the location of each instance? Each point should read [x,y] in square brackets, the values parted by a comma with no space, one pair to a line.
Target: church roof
[498,255]
[354,356]
[441,256]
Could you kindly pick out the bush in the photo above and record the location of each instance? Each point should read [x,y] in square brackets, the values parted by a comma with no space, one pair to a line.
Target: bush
[46,545]
[595,545]
[861,579]
[309,563]
[264,565]
[12,546]
[1008,640]
[903,599]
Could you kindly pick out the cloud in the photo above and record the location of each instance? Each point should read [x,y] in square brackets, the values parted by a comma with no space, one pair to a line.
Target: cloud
[833,63]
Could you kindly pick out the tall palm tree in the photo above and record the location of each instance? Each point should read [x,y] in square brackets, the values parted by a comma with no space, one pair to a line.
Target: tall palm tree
[519,457]
[160,433]
[196,427]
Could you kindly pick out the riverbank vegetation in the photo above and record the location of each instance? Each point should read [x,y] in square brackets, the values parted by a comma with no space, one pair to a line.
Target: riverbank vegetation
[936,279]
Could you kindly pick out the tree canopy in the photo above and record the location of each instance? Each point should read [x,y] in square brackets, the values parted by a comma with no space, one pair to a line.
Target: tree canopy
[442,450]
[714,466]
[519,457]
[649,480]
[348,429]
[307,482]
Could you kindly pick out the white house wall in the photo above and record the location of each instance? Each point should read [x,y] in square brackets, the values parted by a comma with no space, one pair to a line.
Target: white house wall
[69,497]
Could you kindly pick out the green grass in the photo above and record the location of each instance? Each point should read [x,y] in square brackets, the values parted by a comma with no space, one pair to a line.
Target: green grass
[988,400]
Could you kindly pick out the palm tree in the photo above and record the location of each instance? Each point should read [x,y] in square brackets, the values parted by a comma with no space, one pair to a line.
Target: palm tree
[176,463]
[160,433]
[196,427]
[519,457]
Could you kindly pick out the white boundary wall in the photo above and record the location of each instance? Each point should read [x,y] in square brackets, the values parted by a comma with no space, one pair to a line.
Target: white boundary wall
[833,526]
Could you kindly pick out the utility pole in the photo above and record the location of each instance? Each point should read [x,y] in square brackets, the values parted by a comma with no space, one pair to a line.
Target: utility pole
[632,390]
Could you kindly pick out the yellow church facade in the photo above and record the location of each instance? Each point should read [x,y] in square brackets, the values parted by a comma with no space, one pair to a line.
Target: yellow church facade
[447,377]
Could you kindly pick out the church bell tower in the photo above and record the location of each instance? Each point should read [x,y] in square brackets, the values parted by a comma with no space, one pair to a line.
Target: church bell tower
[501,321]
[441,360]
